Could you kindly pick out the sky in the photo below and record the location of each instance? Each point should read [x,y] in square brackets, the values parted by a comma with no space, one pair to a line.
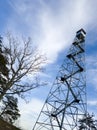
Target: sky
[52,25]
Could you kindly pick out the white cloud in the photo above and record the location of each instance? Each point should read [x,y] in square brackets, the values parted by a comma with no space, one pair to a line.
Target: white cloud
[92,77]
[91,66]
[52,32]
[29,112]
[92,103]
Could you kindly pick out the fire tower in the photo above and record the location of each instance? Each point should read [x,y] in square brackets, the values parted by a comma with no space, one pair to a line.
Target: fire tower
[66,102]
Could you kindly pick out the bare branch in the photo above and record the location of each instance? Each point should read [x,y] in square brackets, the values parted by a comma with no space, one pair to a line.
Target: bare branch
[23,60]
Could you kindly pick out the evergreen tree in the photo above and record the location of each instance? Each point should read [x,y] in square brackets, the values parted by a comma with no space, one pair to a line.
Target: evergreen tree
[88,123]
[4,71]
[9,109]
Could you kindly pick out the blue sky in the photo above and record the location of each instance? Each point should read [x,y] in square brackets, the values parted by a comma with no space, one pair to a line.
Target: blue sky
[52,25]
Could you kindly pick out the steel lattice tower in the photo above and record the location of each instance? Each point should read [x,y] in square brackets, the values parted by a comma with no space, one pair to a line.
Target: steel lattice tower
[66,102]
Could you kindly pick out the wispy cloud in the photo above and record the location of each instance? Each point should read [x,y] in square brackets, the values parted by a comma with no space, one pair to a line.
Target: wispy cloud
[52,30]
[91,62]
[29,112]
[92,103]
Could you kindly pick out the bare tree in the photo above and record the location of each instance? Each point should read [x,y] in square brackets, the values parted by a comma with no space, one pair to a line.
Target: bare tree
[21,60]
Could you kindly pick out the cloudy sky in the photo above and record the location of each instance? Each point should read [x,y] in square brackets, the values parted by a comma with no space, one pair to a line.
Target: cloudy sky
[52,25]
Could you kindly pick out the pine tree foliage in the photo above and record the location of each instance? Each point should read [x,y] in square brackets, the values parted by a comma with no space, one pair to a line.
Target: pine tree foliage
[4,71]
[9,109]
[88,122]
